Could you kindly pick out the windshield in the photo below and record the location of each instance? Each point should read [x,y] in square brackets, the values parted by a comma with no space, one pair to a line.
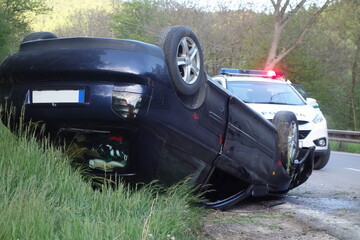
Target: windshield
[265,92]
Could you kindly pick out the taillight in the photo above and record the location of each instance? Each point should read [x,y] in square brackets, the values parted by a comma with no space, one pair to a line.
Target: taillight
[128,104]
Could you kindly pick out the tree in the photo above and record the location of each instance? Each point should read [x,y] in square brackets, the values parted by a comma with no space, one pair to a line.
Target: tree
[281,19]
[353,24]
[346,23]
[354,76]
[138,19]
[86,22]
[70,18]
[14,21]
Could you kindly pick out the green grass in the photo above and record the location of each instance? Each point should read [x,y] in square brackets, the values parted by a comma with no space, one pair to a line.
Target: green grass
[42,197]
[346,147]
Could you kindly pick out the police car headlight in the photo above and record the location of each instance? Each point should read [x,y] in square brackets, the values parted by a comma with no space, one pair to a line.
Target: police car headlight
[319,118]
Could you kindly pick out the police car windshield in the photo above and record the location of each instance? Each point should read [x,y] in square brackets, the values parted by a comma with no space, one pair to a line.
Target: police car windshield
[265,92]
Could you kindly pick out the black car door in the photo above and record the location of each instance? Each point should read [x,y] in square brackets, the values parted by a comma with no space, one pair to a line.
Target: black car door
[249,149]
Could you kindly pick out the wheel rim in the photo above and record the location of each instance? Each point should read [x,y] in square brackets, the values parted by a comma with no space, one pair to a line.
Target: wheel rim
[292,144]
[188,60]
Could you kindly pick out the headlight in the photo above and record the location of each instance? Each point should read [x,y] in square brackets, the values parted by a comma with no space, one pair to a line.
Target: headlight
[319,118]
[321,142]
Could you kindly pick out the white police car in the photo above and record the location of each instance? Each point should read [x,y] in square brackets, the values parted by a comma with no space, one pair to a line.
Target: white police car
[268,92]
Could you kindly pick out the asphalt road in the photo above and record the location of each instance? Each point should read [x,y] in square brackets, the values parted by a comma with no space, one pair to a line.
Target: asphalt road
[341,173]
[330,199]
[341,176]
[326,207]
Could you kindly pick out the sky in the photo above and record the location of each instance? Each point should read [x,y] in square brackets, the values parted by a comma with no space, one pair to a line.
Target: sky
[231,4]
[256,5]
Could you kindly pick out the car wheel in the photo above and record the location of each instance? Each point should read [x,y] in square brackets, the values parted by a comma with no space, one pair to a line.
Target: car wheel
[38,36]
[288,141]
[184,58]
[321,161]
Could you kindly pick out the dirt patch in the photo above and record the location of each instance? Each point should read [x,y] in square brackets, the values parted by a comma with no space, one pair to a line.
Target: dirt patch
[253,220]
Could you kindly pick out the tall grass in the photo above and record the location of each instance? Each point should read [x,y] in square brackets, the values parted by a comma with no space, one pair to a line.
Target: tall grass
[42,197]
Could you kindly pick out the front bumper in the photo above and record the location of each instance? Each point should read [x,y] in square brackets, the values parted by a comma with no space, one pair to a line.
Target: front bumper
[317,135]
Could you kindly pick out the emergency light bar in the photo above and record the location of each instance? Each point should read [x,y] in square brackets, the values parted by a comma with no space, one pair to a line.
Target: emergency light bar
[255,73]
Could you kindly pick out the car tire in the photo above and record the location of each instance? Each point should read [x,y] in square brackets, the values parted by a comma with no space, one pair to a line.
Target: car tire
[184,58]
[288,139]
[321,161]
[38,36]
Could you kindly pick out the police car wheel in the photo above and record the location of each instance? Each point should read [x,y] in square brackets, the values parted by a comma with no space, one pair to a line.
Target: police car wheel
[288,139]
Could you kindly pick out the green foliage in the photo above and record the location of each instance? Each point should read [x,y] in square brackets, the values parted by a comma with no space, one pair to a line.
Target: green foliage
[14,22]
[135,20]
[86,22]
[76,18]
[5,36]
[236,39]
[42,197]
[256,42]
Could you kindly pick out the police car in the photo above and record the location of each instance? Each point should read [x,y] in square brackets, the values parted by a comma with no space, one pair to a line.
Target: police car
[268,92]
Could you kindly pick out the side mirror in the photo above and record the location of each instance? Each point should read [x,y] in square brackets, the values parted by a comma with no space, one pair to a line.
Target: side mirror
[312,102]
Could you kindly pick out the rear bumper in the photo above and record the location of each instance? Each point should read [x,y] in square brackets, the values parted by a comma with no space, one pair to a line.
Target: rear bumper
[106,105]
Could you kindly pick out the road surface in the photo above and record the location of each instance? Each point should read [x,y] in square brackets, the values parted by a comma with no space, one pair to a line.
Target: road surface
[342,173]
[327,206]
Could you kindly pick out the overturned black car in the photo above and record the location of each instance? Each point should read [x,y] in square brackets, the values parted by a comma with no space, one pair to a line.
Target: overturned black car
[147,112]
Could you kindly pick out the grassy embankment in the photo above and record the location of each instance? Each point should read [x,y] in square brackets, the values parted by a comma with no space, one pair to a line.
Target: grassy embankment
[42,197]
[347,147]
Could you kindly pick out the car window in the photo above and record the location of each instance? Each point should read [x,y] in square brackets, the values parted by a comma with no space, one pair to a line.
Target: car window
[265,92]
[301,90]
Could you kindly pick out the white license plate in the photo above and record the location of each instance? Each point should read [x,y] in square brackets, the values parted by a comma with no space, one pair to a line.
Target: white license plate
[58,96]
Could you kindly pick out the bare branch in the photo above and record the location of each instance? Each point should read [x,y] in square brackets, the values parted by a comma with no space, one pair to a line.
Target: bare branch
[276,8]
[293,12]
[283,9]
[273,3]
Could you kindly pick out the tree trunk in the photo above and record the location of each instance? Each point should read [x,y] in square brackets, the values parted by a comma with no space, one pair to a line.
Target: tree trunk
[269,65]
